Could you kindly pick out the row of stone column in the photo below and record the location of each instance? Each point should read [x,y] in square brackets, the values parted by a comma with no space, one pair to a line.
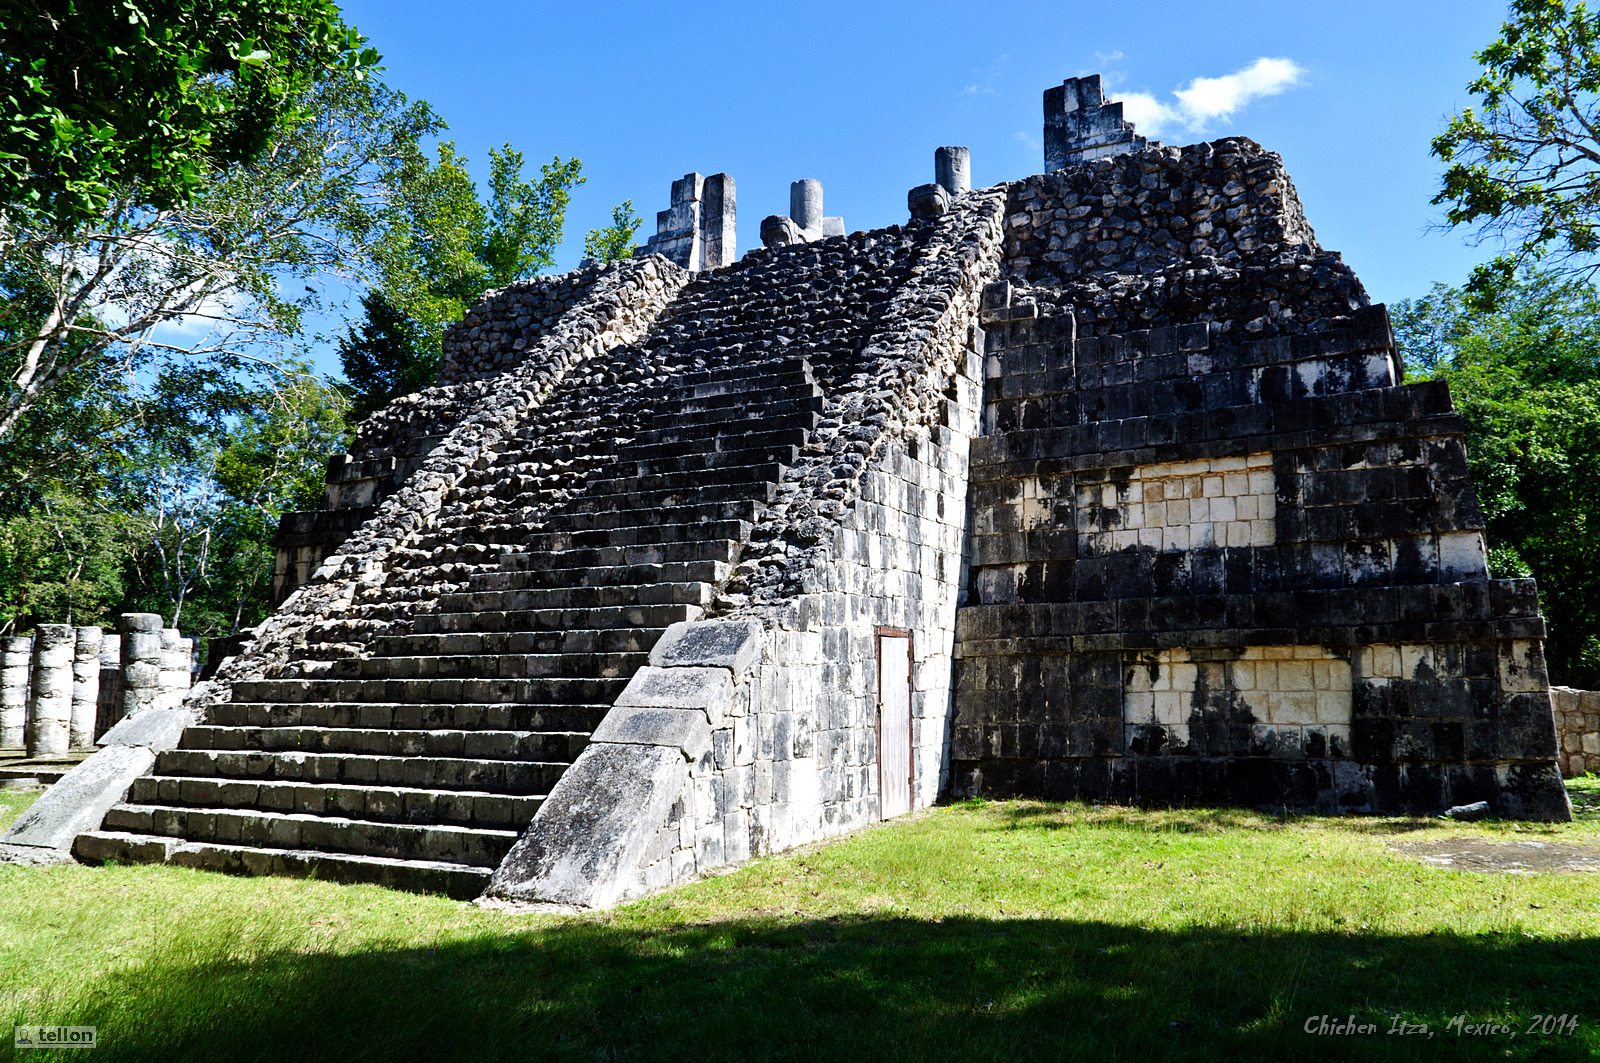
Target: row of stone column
[50,681]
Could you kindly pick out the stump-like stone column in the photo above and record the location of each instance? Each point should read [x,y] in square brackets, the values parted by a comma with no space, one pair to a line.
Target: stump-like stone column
[85,687]
[141,661]
[952,170]
[109,710]
[175,664]
[50,704]
[16,660]
[805,203]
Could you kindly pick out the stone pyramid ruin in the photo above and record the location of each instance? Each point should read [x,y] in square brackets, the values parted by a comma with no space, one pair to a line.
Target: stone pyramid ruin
[1103,483]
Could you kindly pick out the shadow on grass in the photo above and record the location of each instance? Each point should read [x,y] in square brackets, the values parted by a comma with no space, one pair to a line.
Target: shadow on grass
[1199,820]
[857,988]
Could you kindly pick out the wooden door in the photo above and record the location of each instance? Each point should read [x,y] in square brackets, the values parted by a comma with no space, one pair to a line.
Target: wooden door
[894,722]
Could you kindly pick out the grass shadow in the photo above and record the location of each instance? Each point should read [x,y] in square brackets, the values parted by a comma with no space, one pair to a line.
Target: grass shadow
[848,988]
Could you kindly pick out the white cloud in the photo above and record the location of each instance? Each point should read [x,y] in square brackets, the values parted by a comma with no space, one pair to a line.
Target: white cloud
[1205,99]
[1027,138]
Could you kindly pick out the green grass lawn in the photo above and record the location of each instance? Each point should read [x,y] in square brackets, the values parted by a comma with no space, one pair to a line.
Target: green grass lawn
[979,931]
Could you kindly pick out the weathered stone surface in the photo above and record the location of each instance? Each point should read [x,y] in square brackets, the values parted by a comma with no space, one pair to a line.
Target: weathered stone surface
[85,687]
[927,202]
[142,662]
[50,698]
[683,729]
[952,170]
[80,799]
[16,665]
[730,644]
[593,830]
[706,689]
[155,729]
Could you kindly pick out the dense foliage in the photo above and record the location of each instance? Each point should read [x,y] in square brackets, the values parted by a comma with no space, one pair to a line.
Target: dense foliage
[1524,165]
[1525,377]
[152,95]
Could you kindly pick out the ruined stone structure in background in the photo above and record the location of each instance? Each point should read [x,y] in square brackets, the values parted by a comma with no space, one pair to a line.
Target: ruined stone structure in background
[1099,483]
[804,223]
[1080,126]
[697,231]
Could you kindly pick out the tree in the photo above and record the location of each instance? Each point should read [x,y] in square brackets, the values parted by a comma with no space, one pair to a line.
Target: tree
[127,284]
[1525,377]
[440,248]
[1524,168]
[616,240]
[99,98]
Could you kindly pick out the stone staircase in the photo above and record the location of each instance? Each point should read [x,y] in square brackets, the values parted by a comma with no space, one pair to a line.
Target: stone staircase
[418,762]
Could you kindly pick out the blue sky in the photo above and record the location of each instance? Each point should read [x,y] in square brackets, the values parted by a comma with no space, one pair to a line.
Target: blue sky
[860,93]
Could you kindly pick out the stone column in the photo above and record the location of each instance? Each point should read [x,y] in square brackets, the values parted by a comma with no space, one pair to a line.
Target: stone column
[175,651]
[110,708]
[50,704]
[16,660]
[952,170]
[805,204]
[85,687]
[141,661]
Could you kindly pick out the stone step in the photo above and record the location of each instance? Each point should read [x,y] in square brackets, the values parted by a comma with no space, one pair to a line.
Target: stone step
[423,773]
[764,438]
[573,642]
[546,690]
[652,535]
[729,432]
[646,616]
[783,412]
[411,717]
[473,846]
[638,509]
[459,881]
[380,804]
[576,597]
[760,396]
[701,478]
[585,558]
[752,365]
[784,454]
[473,744]
[396,665]
[598,575]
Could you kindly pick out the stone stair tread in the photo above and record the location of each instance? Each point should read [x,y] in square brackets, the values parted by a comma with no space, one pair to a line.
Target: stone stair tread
[571,642]
[475,744]
[521,777]
[431,691]
[620,575]
[642,616]
[460,881]
[477,846]
[524,716]
[380,804]
[690,552]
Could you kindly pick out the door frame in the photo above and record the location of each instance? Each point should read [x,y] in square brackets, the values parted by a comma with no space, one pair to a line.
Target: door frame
[879,633]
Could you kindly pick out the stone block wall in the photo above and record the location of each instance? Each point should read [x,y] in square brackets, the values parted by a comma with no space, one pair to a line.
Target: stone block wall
[1577,715]
[1206,569]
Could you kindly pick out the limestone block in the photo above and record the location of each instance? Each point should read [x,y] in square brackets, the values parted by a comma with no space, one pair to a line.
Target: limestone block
[50,703]
[591,834]
[952,169]
[141,661]
[927,202]
[85,687]
[79,801]
[731,644]
[707,689]
[16,664]
[683,729]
